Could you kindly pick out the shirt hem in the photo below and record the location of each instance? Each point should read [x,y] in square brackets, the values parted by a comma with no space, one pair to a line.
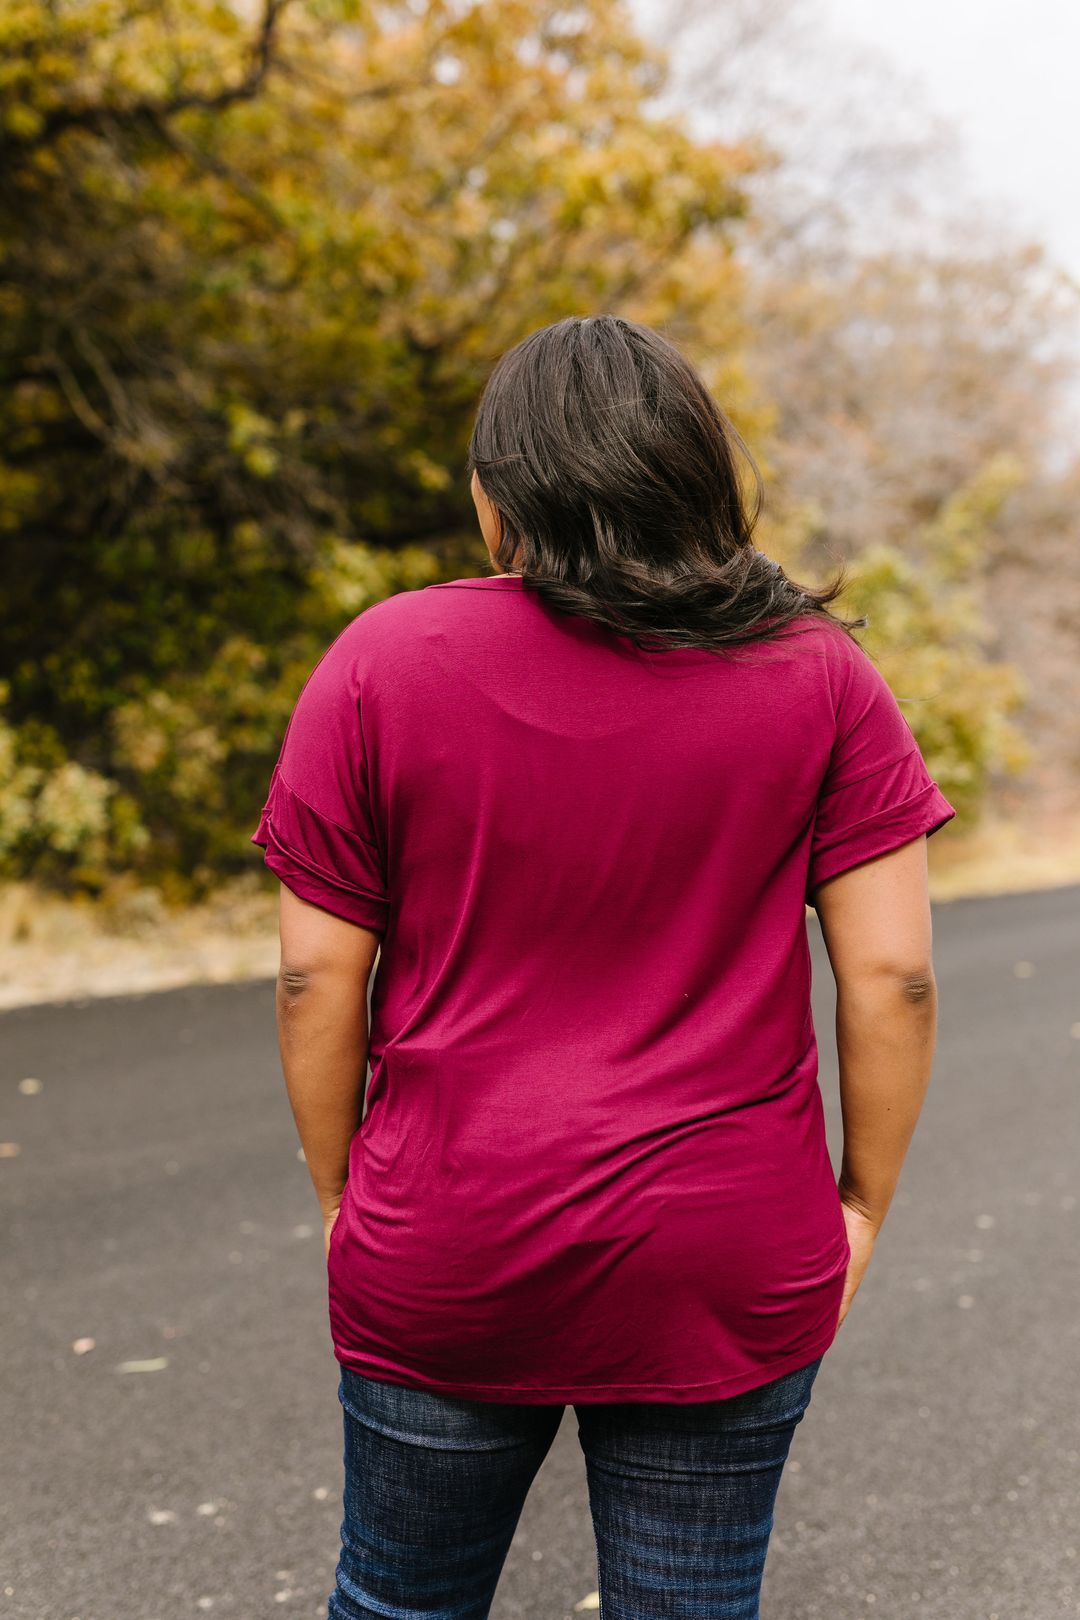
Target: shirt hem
[585,1394]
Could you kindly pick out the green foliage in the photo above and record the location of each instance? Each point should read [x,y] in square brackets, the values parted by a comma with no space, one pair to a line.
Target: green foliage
[252,275]
[59,821]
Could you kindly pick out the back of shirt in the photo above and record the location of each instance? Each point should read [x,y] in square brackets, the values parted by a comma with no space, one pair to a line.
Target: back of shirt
[593,1165]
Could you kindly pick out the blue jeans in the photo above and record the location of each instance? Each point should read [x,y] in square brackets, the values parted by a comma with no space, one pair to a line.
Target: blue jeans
[681,1498]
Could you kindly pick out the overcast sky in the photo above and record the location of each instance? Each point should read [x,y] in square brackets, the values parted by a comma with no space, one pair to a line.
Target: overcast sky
[1004,72]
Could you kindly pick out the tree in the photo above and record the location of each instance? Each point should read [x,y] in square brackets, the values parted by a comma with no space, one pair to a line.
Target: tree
[253,276]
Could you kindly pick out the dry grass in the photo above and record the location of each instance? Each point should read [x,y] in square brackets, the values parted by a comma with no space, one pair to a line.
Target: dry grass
[57,950]
[1006,857]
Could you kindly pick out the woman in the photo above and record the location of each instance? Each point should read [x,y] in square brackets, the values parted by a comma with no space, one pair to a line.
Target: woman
[578,807]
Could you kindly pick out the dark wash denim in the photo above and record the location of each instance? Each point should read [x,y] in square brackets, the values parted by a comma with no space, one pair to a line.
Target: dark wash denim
[682,1498]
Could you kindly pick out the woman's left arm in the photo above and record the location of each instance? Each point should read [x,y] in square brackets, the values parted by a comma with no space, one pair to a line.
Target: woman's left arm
[322,1025]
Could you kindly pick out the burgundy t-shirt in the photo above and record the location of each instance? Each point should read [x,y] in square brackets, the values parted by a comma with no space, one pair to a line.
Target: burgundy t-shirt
[593,1164]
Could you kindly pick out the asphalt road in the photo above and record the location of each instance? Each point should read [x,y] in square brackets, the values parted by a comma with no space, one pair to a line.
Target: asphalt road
[157,1207]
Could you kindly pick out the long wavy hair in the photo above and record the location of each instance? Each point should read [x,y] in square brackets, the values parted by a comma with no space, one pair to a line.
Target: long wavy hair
[620,489]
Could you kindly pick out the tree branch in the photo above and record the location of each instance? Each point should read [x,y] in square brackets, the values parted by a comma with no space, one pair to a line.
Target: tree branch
[100,116]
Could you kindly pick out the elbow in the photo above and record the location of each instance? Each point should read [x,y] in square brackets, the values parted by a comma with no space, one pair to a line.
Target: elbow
[294,982]
[909,985]
[917,986]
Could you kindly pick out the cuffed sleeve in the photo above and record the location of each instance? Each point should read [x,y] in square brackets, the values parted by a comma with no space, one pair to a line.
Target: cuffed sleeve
[877,814]
[878,793]
[320,828]
[322,862]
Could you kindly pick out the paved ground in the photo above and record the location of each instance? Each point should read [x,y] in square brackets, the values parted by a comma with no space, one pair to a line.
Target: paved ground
[157,1207]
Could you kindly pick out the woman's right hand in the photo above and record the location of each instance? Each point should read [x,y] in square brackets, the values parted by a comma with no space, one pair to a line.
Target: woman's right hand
[329,1221]
[861,1235]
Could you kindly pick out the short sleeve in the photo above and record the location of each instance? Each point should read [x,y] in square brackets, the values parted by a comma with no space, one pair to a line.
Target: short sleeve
[317,825]
[877,793]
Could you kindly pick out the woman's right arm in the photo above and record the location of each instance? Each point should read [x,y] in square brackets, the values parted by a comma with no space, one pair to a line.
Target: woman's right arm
[875,920]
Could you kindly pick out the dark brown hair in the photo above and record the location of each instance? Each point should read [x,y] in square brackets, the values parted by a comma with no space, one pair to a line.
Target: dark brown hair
[616,477]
